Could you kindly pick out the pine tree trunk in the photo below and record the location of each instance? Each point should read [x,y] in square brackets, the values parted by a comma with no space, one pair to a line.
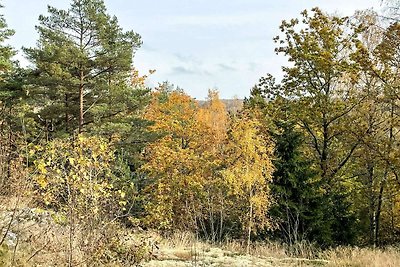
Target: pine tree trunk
[66,113]
[81,112]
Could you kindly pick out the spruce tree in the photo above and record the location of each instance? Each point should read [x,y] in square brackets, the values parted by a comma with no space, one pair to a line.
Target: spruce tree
[303,209]
[294,187]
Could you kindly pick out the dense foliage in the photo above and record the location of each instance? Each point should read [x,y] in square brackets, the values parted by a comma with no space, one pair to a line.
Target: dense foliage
[314,157]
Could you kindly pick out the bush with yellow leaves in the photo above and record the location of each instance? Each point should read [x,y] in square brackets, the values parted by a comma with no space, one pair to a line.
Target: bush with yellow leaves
[76,177]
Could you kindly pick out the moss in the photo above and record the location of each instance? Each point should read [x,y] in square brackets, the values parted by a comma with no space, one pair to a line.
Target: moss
[60,219]
[4,255]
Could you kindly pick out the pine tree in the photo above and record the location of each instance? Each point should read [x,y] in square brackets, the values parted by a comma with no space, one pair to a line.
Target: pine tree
[10,93]
[6,51]
[82,67]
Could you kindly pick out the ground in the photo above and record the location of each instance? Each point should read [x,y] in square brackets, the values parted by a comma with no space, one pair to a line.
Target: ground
[38,237]
[217,257]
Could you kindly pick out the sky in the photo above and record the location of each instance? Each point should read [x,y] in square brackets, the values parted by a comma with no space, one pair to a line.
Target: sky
[194,44]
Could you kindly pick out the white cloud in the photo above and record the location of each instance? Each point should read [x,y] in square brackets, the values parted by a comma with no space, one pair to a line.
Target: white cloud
[218,20]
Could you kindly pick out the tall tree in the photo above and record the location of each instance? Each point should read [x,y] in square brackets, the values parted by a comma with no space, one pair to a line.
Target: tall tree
[10,93]
[173,162]
[216,221]
[82,65]
[368,162]
[320,88]
[6,51]
[298,209]
[384,66]
[321,79]
[249,173]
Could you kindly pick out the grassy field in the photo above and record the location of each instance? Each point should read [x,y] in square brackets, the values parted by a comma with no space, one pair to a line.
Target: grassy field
[183,250]
[34,237]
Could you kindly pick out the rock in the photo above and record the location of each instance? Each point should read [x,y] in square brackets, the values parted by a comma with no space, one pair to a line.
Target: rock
[10,239]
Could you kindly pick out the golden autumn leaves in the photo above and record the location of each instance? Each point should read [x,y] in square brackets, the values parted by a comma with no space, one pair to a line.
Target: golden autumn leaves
[210,170]
[77,173]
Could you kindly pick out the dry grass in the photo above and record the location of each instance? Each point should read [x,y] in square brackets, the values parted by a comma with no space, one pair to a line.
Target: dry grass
[43,242]
[363,257]
[36,237]
[184,249]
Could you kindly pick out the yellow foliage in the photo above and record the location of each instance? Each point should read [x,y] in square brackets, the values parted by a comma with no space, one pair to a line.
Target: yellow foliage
[249,171]
[182,162]
[214,119]
[137,80]
[197,170]
[78,173]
